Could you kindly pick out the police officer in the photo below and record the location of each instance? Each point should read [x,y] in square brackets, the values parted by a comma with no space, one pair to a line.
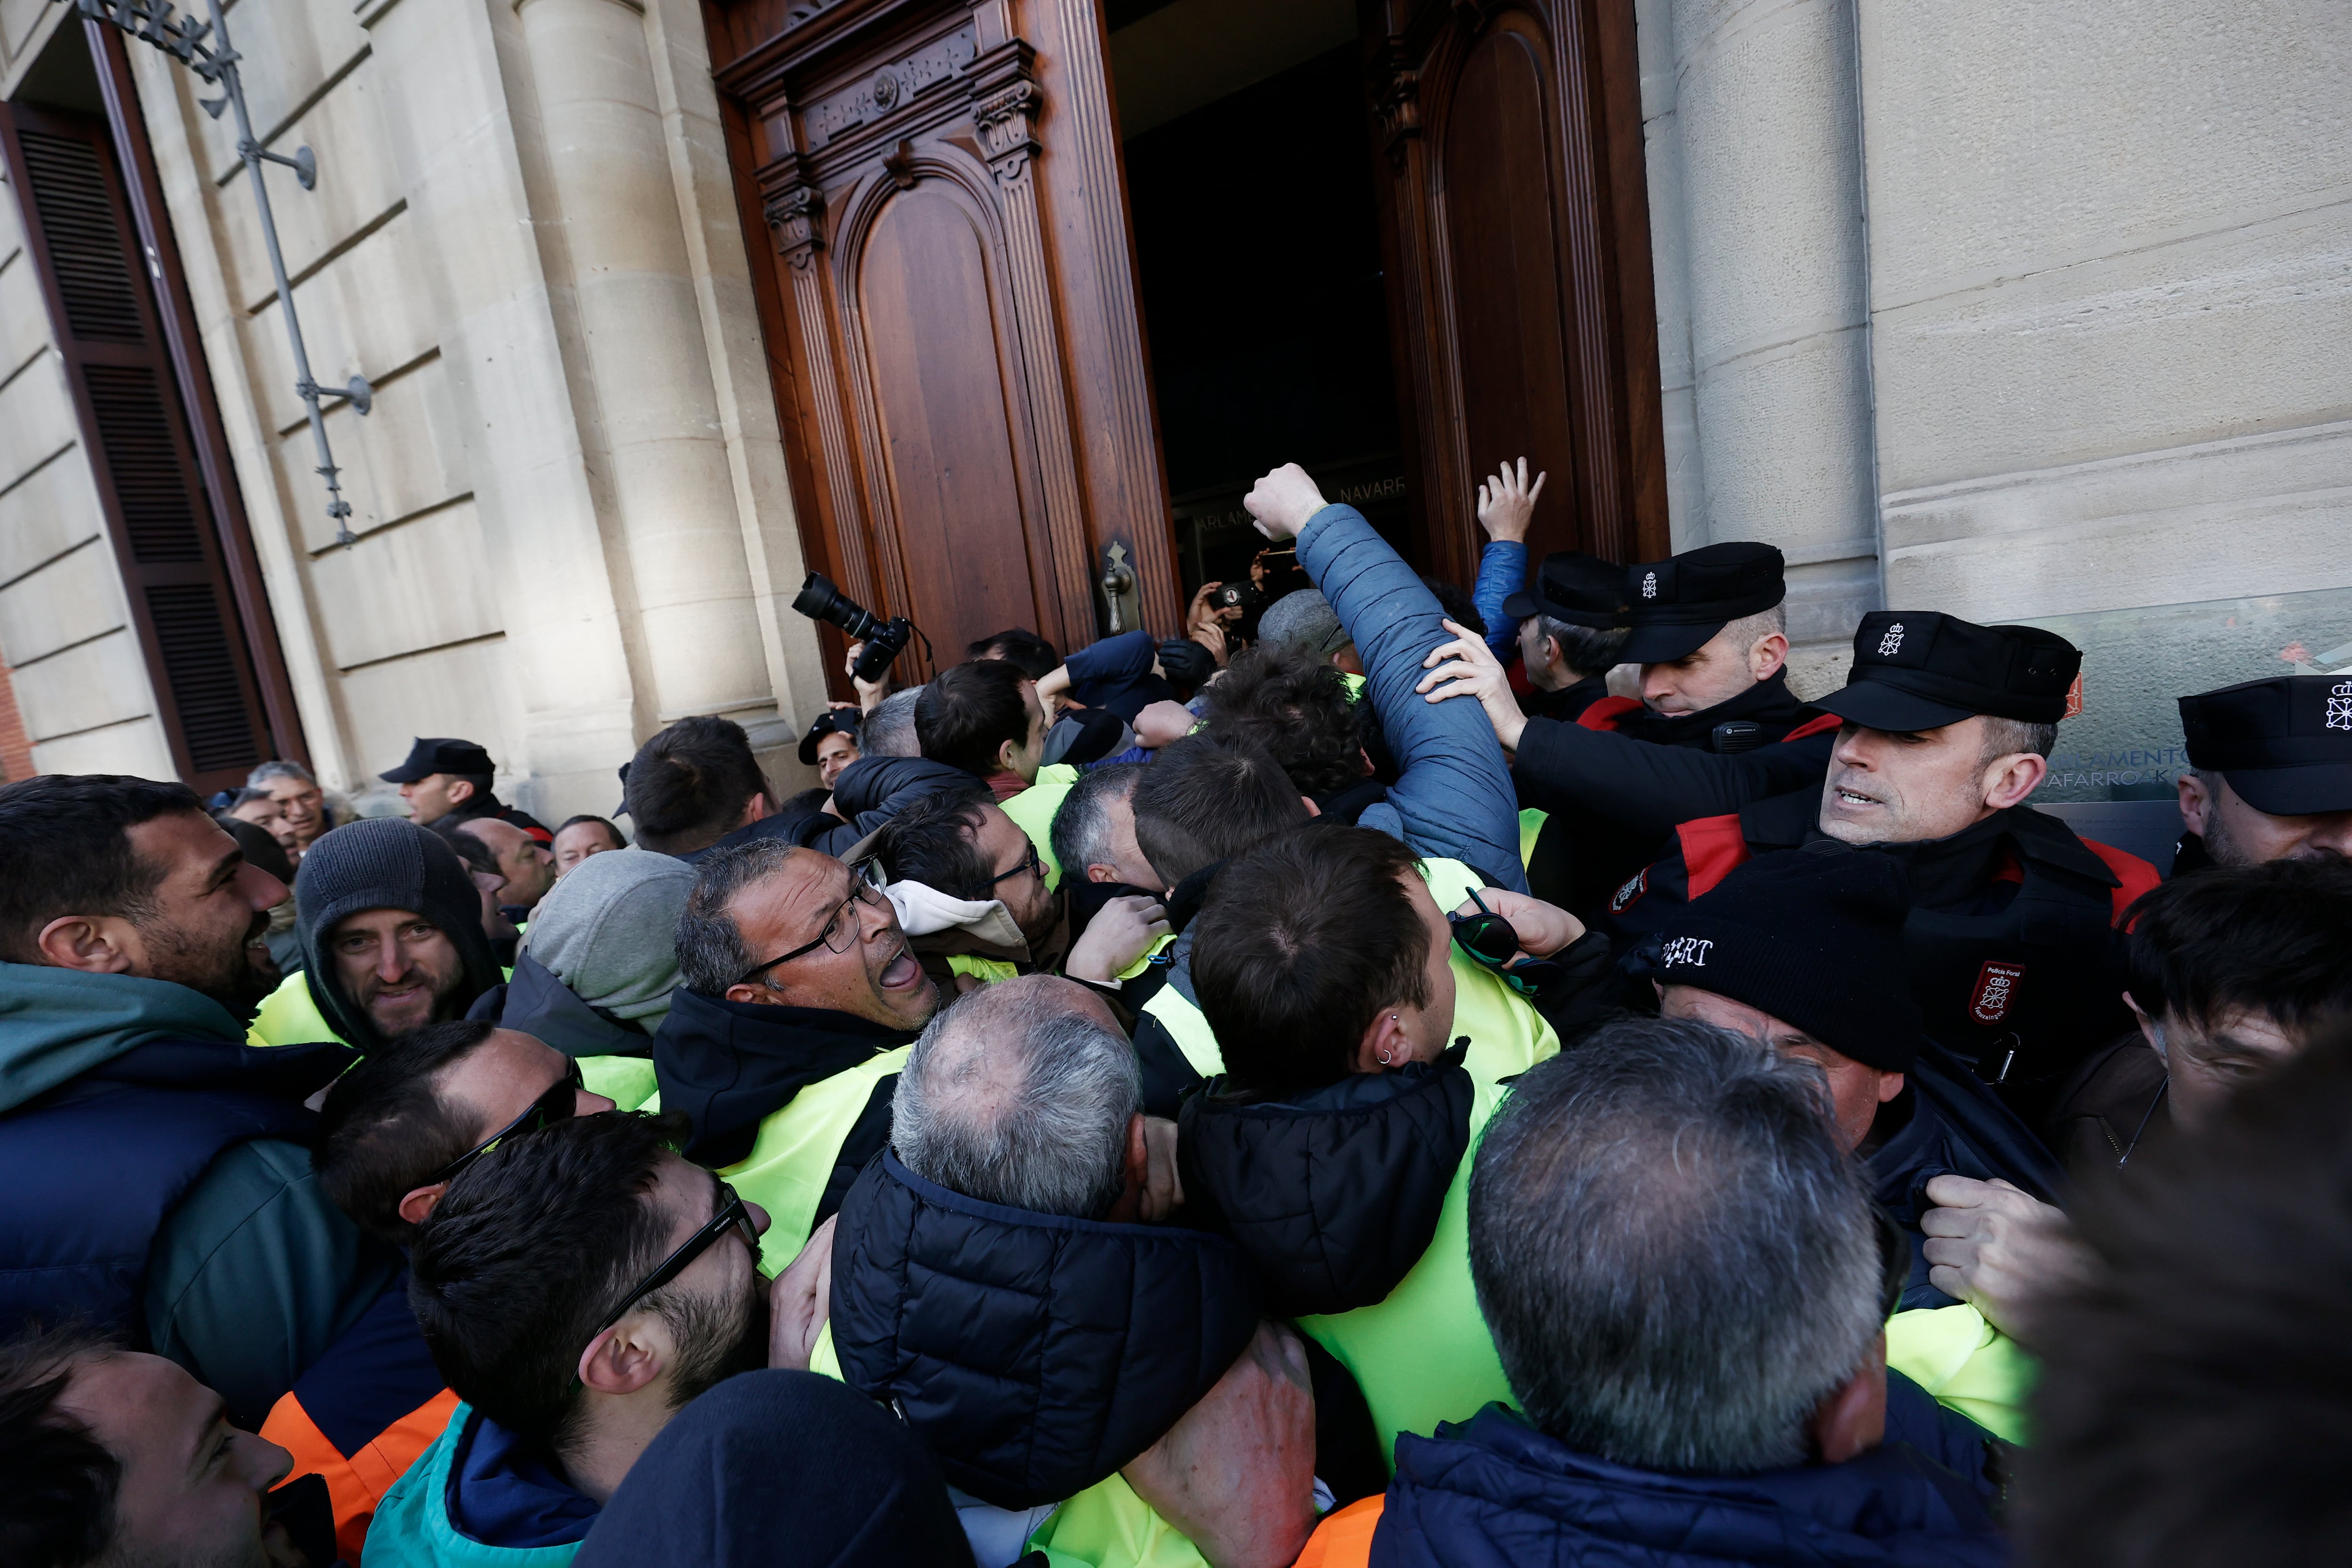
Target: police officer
[451,778]
[1572,629]
[1709,631]
[2271,774]
[1947,731]
[1806,952]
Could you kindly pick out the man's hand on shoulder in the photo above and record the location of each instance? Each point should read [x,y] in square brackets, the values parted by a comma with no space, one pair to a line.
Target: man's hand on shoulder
[1467,666]
[1283,500]
[1236,1474]
[1121,931]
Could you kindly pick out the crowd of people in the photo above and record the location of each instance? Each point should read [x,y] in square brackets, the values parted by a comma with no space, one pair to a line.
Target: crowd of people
[1396,1076]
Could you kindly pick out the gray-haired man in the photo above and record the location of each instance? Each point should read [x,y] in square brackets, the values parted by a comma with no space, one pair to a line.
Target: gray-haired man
[1686,1281]
[1064,1345]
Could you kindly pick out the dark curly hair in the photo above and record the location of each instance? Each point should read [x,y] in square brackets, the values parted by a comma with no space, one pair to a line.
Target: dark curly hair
[1290,701]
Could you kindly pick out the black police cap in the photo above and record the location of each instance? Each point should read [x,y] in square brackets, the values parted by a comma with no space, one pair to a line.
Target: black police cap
[2284,743]
[1675,605]
[431,755]
[1919,669]
[1572,586]
[832,721]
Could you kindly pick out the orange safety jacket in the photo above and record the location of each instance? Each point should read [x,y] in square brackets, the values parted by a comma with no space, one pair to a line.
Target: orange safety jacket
[362,1414]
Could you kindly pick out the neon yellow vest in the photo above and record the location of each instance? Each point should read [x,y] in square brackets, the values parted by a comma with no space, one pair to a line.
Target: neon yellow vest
[1966,1363]
[987,971]
[287,1016]
[1531,826]
[1105,1526]
[796,1149]
[626,1081]
[1034,809]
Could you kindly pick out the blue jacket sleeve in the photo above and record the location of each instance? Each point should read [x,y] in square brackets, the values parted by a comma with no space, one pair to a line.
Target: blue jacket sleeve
[1453,791]
[1123,658]
[1502,572]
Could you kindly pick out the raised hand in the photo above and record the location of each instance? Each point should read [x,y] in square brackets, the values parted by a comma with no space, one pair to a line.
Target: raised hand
[1507,503]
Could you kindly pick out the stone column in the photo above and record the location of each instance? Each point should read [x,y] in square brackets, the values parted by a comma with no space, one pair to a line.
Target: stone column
[639,367]
[1765,229]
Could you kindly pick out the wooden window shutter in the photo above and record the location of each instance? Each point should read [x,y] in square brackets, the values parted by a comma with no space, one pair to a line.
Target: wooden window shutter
[79,236]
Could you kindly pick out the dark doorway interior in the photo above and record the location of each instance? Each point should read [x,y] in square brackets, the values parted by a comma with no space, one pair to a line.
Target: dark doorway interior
[1257,238]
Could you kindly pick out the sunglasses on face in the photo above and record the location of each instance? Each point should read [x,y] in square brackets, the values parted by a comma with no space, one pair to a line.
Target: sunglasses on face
[732,1215]
[560,1102]
[867,883]
[1030,862]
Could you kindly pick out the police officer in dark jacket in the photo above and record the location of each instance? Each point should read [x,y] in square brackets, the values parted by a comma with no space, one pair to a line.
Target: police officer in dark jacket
[446,777]
[1806,951]
[2271,772]
[1709,632]
[1948,729]
[1572,630]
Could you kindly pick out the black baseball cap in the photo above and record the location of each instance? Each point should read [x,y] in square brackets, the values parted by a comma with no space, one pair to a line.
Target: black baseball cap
[1919,669]
[832,721]
[1570,586]
[1674,606]
[430,756]
[2284,743]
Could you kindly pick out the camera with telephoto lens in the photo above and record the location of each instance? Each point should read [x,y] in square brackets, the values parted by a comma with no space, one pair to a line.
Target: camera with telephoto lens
[819,600]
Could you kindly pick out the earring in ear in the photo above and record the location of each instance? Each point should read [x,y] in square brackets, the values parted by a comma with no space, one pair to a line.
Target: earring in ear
[1384,1058]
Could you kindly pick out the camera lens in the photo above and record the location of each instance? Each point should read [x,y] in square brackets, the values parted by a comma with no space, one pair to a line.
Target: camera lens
[819,600]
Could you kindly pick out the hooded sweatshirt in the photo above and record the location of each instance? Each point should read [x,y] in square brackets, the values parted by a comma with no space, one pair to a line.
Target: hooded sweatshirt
[159,1181]
[386,863]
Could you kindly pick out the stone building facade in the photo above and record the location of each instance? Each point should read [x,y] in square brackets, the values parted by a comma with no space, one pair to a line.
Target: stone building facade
[2018,310]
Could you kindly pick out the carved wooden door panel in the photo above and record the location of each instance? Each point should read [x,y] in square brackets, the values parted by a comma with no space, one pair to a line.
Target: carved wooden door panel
[950,292]
[1515,228]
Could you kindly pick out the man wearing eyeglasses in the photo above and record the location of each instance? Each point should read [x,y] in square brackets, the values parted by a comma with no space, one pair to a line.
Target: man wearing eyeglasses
[393,1133]
[798,994]
[579,1285]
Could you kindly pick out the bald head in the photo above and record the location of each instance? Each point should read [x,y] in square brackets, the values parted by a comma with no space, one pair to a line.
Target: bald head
[1022,1094]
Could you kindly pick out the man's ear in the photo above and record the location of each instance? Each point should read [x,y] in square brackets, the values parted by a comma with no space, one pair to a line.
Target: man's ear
[1004,749]
[2149,1029]
[1384,1037]
[416,1207]
[758,808]
[2196,802]
[95,945]
[1890,1084]
[2011,779]
[1770,652]
[1312,809]
[459,791]
[626,1356]
[1098,872]
[1852,1419]
[1139,1154]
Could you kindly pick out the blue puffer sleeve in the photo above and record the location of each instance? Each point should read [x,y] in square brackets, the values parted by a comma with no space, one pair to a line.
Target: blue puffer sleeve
[1454,793]
[1502,572]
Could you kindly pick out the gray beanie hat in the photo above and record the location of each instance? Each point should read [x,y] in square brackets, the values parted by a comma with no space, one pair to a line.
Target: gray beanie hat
[385,863]
[607,930]
[1302,618]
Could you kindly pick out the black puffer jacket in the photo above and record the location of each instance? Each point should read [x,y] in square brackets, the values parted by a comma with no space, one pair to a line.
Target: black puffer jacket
[1334,1194]
[1034,1354]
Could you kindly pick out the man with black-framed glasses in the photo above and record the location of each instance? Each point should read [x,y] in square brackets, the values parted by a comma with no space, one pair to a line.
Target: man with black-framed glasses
[798,994]
[578,1284]
[393,1133]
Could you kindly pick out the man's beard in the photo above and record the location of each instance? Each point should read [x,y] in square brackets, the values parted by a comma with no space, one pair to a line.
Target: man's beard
[2220,848]
[231,977]
[716,1340]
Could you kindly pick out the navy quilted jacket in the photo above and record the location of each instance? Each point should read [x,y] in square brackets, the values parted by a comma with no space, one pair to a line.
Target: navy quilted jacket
[1496,1492]
[1034,1354]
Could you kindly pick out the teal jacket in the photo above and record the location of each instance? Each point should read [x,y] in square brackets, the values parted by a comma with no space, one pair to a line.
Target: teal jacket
[478,1498]
[160,1182]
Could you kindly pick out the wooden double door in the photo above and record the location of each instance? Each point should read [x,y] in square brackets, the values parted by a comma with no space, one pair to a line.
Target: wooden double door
[948,286]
